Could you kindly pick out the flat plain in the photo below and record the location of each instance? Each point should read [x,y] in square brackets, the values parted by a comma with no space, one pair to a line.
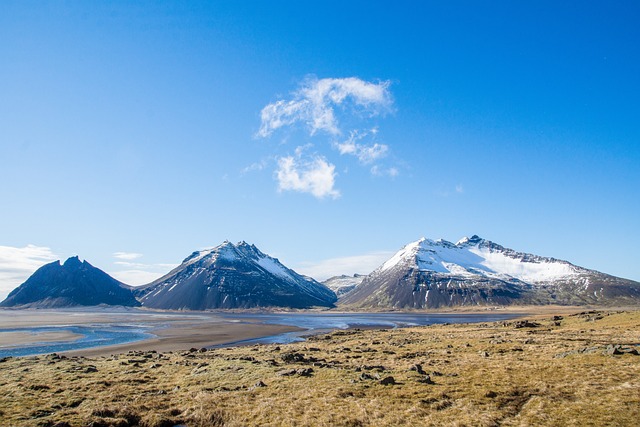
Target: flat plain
[563,370]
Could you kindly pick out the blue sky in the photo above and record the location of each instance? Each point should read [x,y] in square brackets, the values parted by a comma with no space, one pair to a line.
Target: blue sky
[329,134]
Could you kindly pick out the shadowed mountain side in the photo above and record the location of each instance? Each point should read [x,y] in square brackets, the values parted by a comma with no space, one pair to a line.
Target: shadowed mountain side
[71,284]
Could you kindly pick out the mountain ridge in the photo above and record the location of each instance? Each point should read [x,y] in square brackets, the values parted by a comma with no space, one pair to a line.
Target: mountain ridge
[476,271]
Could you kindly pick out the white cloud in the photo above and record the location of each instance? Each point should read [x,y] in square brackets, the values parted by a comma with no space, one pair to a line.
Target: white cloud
[17,264]
[315,175]
[362,264]
[137,274]
[314,103]
[126,255]
[459,188]
[366,154]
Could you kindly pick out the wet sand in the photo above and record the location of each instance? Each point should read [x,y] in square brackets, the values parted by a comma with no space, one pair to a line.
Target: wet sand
[173,330]
[16,339]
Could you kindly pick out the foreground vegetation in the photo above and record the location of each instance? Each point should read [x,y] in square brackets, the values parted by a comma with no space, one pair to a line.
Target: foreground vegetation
[576,370]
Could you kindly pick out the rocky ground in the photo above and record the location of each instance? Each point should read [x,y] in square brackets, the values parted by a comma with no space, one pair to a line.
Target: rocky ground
[572,370]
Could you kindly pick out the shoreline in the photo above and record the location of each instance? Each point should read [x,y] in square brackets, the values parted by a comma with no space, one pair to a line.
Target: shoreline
[174,330]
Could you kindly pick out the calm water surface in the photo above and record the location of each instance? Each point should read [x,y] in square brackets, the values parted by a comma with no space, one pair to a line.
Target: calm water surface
[316,323]
[91,336]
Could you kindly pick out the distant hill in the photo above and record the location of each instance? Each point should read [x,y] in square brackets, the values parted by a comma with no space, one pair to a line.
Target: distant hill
[475,271]
[74,283]
[343,284]
[233,276]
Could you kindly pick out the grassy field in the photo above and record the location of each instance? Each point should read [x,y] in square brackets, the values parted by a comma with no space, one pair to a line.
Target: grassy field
[576,370]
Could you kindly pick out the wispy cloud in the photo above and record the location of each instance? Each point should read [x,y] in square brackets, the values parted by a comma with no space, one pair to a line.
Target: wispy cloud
[135,273]
[17,264]
[307,174]
[314,103]
[362,264]
[366,153]
[450,192]
[126,255]
[379,171]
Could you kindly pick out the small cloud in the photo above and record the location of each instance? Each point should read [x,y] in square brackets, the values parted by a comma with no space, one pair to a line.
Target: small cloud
[313,175]
[17,264]
[366,154]
[459,189]
[362,264]
[390,172]
[313,104]
[254,167]
[126,255]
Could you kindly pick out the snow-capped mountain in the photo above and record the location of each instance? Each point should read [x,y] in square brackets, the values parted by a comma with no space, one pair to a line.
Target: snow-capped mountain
[475,271]
[343,284]
[233,276]
[73,283]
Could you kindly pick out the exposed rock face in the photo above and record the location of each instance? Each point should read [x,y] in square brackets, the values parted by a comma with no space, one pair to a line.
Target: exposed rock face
[233,276]
[343,284]
[474,271]
[74,283]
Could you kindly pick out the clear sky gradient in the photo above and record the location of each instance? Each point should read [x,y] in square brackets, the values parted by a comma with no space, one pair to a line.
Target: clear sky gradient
[134,134]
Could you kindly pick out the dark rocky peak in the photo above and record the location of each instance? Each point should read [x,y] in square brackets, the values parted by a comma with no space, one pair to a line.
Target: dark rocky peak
[73,262]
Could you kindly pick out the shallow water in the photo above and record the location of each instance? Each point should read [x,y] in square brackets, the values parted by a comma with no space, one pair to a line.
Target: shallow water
[315,323]
[105,334]
[91,336]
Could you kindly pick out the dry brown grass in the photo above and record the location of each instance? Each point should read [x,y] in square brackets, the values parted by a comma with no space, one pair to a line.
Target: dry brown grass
[558,373]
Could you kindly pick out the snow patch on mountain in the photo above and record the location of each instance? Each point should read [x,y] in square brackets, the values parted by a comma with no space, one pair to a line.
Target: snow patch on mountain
[475,256]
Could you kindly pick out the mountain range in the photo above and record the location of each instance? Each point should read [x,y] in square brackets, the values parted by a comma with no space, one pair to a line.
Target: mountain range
[425,274]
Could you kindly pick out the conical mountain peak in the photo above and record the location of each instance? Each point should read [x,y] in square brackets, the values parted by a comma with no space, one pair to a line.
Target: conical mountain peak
[233,276]
[70,284]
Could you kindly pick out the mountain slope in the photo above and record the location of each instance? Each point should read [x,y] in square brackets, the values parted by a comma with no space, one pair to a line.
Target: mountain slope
[233,276]
[475,271]
[73,283]
[343,284]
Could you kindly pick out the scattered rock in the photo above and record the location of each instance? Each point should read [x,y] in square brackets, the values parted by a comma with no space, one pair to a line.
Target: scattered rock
[388,381]
[525,324]
[366,377]
[418,368]
[484,354]
[491,394]
[286,372]
[305,372]
[426,380]
[259,384]
[293,358]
